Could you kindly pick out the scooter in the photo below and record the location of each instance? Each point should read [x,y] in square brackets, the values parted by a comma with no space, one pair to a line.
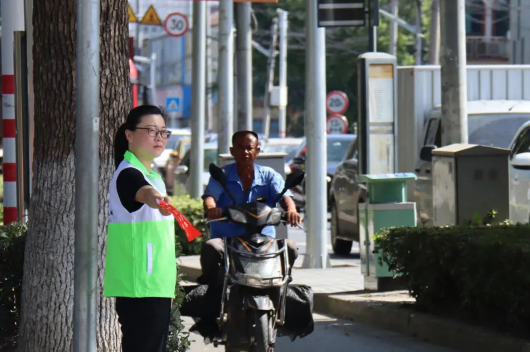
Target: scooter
[256,273]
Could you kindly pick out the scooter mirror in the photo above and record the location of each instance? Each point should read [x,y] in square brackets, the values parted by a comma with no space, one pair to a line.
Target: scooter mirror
[218,174]
[295,178]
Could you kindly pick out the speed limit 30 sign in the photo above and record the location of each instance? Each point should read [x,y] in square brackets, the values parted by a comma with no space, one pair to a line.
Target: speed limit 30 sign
[337,102]
[176,24]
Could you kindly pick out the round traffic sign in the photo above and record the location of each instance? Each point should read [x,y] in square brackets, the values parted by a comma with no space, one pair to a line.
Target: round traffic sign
[176,24]
[337,124]
[337,102]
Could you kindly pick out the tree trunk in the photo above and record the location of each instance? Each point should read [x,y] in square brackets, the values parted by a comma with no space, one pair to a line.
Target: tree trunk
[47,293]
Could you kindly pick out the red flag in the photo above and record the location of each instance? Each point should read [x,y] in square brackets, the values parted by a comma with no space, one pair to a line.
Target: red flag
[191,232]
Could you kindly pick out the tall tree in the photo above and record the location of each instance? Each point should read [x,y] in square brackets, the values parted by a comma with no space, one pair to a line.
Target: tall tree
[47,297]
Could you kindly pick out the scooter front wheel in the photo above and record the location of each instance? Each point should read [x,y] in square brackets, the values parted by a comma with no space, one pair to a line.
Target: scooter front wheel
[262,329]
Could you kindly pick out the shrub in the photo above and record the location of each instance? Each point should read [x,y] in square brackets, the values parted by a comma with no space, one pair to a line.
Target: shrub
[12,242]
[478,270]
[193,210]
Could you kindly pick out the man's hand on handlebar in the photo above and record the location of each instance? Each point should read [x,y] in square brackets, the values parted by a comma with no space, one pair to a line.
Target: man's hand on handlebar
[214,213]
[293,218]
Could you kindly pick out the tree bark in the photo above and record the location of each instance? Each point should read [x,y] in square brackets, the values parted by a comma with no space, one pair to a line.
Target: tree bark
[47,293]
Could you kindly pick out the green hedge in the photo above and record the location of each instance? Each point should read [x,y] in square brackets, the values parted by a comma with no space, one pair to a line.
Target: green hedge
[12,242]
[480,271]
[193,210]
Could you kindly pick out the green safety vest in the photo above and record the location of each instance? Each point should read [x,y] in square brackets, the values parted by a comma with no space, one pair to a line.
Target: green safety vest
[140,258]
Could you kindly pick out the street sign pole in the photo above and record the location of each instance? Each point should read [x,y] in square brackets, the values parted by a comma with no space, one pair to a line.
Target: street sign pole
[86,175]
[244,66]
[283,71]
[315,131]
[226,75]
[198,98]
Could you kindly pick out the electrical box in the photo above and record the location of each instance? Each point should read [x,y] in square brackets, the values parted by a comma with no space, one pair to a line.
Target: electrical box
[279,96]
[469,180]
[275,161]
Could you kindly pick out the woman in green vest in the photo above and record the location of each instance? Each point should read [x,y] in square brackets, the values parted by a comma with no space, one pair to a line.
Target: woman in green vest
[140,266]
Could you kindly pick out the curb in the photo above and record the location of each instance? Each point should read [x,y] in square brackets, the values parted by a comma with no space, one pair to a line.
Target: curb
[443,332]
[392,316]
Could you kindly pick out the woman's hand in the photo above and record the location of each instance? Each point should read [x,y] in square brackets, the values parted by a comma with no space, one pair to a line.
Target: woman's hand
[167,200]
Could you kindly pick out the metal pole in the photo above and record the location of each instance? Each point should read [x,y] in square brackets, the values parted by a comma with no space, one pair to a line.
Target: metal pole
[235,118]
[282,120]
[373,24]
[453,72]
[86,175]
[137,29]
[152,78]
[21,118]
[12,20]
[394,27]
[419,43]
[434,45]
[225,74]
[198,98]
[244,63]
[315,131]
[270,80]
[28,9]
[209,67]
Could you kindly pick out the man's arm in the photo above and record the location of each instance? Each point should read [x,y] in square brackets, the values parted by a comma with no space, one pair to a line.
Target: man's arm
[277,183]
[211,195]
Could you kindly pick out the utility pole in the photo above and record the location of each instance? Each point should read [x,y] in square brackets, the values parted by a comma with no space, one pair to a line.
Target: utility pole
[282,118]
[434,45]
[198,98]
[244,66]
[453,72]
[225,74]
[270,79]
[372,27]
[86,175]
[315,131]
[394,6]
[419,49]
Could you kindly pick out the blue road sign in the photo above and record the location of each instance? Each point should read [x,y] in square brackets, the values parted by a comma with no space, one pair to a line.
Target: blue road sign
[173,104]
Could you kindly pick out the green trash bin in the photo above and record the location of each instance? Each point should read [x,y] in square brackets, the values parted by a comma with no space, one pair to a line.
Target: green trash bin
[387,206]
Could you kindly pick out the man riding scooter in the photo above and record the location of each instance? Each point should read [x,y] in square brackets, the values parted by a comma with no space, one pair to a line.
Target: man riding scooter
[247,182]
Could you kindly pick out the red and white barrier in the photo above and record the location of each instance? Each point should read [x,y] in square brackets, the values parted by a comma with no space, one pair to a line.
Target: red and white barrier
[12,20]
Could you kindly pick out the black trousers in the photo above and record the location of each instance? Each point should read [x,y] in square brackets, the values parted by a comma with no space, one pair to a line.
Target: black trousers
[212,260]
[144,323]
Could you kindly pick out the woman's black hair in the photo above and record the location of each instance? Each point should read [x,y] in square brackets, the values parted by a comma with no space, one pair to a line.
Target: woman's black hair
[121,145]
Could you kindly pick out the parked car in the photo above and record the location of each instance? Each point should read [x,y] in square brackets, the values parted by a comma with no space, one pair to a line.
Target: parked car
[182,172]
[289,146]
[345,195]
[337,146]
[176,136]
[520,175]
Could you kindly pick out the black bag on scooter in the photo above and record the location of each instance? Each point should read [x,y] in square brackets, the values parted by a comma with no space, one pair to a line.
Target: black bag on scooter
[204,304]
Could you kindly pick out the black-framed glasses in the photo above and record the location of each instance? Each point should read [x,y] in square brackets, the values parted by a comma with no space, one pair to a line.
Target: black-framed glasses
[153,132]
[245,149]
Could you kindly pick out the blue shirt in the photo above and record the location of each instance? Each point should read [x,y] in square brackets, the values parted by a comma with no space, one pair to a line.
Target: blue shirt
[267,185]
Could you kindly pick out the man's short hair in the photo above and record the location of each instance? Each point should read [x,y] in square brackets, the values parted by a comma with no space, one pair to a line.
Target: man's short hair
[238,134]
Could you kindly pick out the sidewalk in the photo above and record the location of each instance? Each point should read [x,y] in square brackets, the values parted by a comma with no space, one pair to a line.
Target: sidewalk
[339,291]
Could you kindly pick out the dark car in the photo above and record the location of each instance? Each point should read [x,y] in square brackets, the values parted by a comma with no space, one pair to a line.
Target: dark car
[337,145]
[345,195]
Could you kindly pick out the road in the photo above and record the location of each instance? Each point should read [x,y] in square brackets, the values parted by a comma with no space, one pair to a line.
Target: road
[337,335]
